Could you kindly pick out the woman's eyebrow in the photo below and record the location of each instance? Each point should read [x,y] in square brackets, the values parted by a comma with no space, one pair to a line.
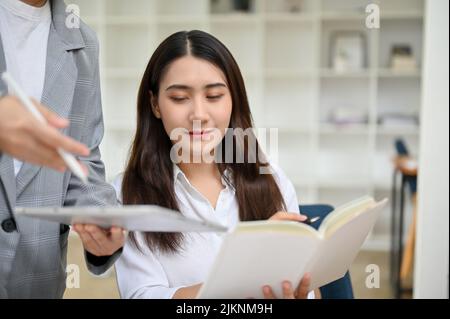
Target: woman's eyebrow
[186,87]
[213,85]
[178,87]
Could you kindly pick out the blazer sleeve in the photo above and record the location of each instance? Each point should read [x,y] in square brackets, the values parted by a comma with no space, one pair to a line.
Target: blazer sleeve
[97,192]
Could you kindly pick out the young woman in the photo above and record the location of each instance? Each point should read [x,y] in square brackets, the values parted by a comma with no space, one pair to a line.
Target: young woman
[193,86]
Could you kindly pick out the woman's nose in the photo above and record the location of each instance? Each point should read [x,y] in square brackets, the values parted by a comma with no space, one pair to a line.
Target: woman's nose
[199,111]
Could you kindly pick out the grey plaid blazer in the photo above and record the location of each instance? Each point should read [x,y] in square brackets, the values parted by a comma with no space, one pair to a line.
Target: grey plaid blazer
[33,258]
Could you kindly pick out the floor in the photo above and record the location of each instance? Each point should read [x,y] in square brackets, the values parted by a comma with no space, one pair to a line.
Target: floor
[363,268]
[92,287]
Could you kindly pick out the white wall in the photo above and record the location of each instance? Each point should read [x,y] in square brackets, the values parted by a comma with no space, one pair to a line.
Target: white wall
[432,257]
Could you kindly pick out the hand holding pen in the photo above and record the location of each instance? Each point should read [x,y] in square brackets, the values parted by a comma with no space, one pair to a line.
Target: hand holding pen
[30,134]
[294,217]
[311,220]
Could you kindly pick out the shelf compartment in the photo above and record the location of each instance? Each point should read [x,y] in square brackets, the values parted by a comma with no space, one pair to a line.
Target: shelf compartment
[134,9]
[289,103]
[120,102]
[335,104]
[400,32]
[119,43]
[197,8]
[344,160]
[240,39]
[287,52]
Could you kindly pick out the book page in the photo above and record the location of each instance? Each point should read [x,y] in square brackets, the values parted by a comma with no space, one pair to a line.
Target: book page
[338,249]
[285,226]
[344,213]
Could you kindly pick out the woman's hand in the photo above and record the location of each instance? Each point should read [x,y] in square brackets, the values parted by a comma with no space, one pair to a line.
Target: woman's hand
[301,292]
[187,292]
[288,216]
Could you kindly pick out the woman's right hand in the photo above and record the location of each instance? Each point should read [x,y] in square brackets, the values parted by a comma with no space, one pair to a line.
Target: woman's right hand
[288,216]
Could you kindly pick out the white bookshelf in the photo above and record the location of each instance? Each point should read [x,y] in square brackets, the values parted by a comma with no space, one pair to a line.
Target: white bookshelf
[285,58]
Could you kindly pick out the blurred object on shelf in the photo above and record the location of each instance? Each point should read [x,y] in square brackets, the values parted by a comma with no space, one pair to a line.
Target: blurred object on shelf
[348,51]
[242,5]
[227,6]
[293,6]
[221,6]
[402,58]
[347,116]
[396,120]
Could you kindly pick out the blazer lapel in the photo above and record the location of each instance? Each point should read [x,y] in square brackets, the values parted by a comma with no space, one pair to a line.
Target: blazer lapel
[8,178]
[3,87]
[59,85]
[6,162]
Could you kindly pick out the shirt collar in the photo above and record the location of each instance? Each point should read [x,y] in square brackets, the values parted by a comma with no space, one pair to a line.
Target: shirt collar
[178,175]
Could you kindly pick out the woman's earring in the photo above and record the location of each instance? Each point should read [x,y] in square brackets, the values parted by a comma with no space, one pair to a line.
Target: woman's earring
[156,112]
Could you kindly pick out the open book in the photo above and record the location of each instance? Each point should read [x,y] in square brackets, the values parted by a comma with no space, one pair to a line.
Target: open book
[257,253]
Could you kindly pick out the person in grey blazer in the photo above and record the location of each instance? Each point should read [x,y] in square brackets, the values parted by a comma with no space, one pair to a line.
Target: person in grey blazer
[33,252]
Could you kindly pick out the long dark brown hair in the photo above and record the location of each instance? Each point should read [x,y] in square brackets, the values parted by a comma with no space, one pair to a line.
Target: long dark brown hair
[148,177]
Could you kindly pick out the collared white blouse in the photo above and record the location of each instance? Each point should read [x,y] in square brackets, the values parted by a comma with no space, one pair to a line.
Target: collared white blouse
[149,274]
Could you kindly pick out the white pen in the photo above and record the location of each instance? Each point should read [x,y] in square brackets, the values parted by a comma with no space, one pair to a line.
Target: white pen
[68,158]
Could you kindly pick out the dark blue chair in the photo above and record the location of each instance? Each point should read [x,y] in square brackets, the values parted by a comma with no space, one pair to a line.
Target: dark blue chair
[338,289]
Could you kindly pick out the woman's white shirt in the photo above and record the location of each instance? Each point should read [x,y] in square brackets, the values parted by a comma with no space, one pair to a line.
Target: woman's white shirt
[152,274]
